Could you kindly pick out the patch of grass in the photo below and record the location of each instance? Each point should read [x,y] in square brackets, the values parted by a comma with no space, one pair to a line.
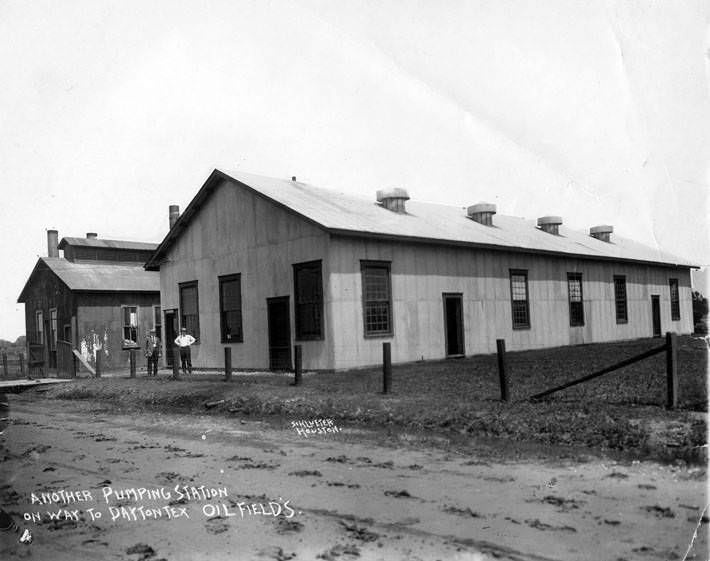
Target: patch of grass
[619,411]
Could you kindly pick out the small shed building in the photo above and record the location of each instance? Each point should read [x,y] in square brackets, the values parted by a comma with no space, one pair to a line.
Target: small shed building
[260,264]
[92,299]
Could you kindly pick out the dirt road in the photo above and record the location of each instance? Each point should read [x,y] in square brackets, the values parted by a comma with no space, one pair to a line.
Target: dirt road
[187,487]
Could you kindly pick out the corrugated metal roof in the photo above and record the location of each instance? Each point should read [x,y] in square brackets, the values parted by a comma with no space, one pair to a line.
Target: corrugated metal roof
[113,244]
[430,221]
[103,277]
[345,214]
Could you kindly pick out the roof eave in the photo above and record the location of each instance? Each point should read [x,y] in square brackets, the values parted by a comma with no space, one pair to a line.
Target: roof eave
[21,298]
[111,290]
[495,247]
[153,264]
[104,244]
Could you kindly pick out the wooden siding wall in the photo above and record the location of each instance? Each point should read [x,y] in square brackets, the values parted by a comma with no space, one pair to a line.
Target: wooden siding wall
[47,292]
[421,273]
[82,254]
[237,231]
[100,322]
[95,318]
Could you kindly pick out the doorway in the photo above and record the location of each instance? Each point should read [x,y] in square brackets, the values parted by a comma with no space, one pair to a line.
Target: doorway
[279,333]
[51,344]
[656,314]
[453,324]
[171,332]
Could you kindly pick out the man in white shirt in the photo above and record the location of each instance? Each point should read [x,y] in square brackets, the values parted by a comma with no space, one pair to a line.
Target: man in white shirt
[183,341]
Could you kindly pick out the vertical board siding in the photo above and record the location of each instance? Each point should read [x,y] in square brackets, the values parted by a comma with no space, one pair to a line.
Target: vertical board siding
[95,317]
[421,273]
[237,231]
[100,321]
[44,293]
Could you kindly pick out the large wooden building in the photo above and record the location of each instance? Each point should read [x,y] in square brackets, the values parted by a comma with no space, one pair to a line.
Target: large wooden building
[260,264]
[93,299]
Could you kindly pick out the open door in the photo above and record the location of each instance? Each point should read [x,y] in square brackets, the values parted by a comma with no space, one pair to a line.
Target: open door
[453,324]
[656,314]
[279,333]
[171,332]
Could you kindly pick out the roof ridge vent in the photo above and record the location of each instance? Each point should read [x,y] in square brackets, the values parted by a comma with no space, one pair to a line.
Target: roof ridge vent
[602,232]
[482,213]
[550,224]
[393,199]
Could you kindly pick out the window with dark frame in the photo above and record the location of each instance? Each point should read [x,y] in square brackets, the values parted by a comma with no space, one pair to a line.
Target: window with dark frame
[189,308]
[130,323]
[230,308]
[53,329]
[622,315]
[376,298]
[308,300]
[675,299]
[519,299]
[158,322]
[576,302]
[39,327]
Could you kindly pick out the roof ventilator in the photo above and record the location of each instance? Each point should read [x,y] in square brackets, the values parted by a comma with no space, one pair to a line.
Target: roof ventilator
[91,235]
[602,233]
[482,213]
[393,199]
[550,224]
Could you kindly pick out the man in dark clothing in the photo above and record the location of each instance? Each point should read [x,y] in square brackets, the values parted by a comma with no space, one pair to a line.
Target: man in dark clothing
[152,352]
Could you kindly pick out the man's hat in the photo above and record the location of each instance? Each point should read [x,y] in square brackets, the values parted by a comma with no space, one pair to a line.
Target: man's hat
[183,329]
[151,331]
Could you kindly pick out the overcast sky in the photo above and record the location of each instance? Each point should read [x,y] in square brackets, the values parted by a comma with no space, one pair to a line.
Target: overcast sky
[111,111]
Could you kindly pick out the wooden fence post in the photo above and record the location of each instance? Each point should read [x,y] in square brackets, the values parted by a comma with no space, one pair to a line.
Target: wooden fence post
[672,370]
[502,374]
[98,364]
[298,365]
[4,364]
[73,365]
[132,363]
[176,363]
[227,364]
[22,363]
[386,367]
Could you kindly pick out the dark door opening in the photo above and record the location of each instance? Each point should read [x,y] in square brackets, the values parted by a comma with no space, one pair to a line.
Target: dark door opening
[171,331]
[279,333]
[656,313]
[453,324]
[51,346]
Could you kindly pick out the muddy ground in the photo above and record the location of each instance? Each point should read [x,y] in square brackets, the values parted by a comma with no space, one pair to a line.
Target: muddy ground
[352,494]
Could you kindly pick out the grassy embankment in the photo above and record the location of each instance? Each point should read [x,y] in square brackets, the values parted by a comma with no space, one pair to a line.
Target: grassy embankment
[620,411]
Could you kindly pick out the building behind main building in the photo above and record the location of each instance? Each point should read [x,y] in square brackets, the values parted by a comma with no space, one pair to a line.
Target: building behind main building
[260,264]
[93,299]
